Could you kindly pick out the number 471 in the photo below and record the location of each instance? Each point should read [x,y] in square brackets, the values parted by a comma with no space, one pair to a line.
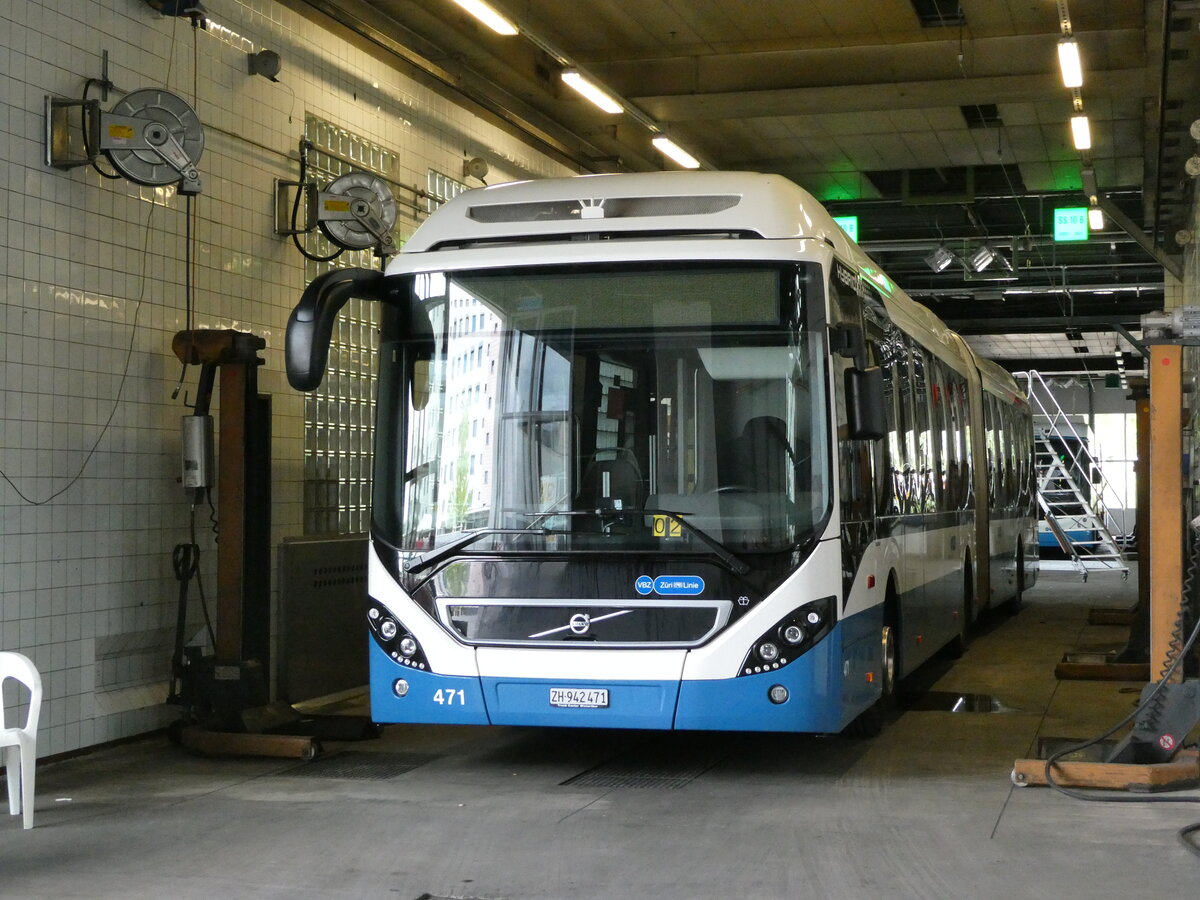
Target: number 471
[450,696]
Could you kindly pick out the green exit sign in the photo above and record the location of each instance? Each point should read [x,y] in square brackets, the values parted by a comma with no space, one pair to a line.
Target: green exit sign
[849,224]
[1071,224]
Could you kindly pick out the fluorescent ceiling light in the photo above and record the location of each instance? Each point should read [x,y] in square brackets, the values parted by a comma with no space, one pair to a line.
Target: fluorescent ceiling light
[981,258]
[1069,62]
[668,147]
[488,16]
[939,259]
[1081,132]
[591,92]
[1095,219]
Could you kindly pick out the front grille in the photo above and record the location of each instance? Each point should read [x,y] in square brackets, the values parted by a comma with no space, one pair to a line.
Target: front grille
[609,624]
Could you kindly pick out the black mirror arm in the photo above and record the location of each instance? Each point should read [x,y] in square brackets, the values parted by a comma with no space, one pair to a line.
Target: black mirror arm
[310,327]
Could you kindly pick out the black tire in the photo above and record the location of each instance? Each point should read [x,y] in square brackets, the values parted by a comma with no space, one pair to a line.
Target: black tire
[1014,604]
[958,646]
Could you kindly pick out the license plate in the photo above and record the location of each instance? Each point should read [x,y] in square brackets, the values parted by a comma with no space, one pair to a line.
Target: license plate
[579,698]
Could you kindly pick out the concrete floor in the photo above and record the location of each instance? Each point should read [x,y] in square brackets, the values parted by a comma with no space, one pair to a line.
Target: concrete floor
[927,810]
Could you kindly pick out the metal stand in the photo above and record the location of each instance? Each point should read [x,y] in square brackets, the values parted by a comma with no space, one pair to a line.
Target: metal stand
[1131,662]
[221,691]
[1150,757]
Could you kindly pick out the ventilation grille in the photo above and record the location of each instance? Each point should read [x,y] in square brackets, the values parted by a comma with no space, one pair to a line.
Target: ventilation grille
[939,13]
[646,768]
[613,208]
[982,115]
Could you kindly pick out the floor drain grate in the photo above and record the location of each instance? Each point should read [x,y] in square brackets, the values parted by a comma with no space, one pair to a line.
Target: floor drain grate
[369,766]
[619,773]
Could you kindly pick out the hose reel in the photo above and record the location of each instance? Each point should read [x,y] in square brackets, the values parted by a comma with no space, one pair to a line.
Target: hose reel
[357,211]
[150,136]
[354,211]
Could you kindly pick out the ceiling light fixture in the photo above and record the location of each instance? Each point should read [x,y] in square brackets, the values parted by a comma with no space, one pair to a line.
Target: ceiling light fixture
[488,16]
[1069,62]
[1081,132]
[669,148]
[1095,219]
[587,89]
[981,258]
[939,259]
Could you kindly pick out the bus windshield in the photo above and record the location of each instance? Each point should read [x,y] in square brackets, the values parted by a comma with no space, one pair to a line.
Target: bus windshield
[603,408]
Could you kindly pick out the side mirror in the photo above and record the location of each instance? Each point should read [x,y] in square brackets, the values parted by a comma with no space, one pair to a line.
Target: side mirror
[865,416]
[847,341]
[310,327]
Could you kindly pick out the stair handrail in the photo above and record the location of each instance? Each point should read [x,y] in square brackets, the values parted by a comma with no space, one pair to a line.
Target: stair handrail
[1098,505]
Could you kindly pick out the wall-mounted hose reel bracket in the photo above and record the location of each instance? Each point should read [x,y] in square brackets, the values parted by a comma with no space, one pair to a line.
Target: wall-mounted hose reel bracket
[355,211]
[150,136]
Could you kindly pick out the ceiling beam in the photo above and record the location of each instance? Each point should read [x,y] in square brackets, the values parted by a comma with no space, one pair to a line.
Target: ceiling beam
[781,50]
[867,98]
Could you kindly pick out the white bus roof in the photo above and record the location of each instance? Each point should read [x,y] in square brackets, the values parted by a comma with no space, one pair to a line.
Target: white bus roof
[663,204]
[770,206]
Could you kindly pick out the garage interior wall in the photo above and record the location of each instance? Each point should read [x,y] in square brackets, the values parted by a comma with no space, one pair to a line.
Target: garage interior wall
[92,291]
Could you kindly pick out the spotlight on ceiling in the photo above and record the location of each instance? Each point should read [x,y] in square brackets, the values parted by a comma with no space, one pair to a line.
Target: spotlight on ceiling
[983,257]
[939,259]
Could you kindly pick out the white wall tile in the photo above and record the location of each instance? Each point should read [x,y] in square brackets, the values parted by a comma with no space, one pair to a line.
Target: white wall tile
[85,581]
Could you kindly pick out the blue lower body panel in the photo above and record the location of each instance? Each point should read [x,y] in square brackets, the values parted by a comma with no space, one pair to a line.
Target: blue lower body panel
[827,687]
[1047,538]
[446,699]
[814,703]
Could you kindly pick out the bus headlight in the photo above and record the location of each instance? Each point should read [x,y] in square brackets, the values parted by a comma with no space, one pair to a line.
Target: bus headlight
[790,637]
[400,687]
[793,634]
[778,694]
[394,639]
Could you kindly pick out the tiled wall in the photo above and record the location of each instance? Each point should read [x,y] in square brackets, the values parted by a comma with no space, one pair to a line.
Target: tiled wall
[91,293]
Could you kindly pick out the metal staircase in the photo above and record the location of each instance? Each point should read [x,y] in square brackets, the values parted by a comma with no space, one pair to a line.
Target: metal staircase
[1071,486]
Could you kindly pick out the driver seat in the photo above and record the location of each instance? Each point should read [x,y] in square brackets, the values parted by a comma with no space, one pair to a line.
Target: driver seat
[762,455]
[613,483]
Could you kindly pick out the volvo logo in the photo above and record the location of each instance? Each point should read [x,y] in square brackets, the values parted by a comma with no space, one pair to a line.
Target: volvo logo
[580,624]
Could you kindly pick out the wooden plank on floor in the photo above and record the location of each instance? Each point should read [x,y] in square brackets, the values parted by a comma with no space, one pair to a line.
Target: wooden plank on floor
[1178,774]
[1080,671]
[228,743]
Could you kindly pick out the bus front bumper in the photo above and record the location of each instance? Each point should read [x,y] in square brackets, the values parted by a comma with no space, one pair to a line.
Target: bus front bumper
[814,684]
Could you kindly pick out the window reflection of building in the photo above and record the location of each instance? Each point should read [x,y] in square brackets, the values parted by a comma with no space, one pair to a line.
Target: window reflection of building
[467,458]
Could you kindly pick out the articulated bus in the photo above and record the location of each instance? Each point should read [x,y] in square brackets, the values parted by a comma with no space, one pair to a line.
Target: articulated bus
[669,451]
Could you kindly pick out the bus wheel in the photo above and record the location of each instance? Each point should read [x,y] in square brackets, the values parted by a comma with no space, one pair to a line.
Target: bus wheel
[870,721]
[1014,604]
[958,645]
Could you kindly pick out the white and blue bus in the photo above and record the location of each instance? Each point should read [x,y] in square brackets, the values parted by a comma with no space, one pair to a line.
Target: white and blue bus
[669,451]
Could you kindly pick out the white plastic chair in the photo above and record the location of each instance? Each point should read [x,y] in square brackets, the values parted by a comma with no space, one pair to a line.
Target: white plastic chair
[20,744]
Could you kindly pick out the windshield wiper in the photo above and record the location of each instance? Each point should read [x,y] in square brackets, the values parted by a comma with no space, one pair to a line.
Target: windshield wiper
[723,553]
[720,550]
[437,554]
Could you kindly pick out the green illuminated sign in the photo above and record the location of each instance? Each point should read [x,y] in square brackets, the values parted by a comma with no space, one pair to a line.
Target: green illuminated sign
[849,224]
[1071,224]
